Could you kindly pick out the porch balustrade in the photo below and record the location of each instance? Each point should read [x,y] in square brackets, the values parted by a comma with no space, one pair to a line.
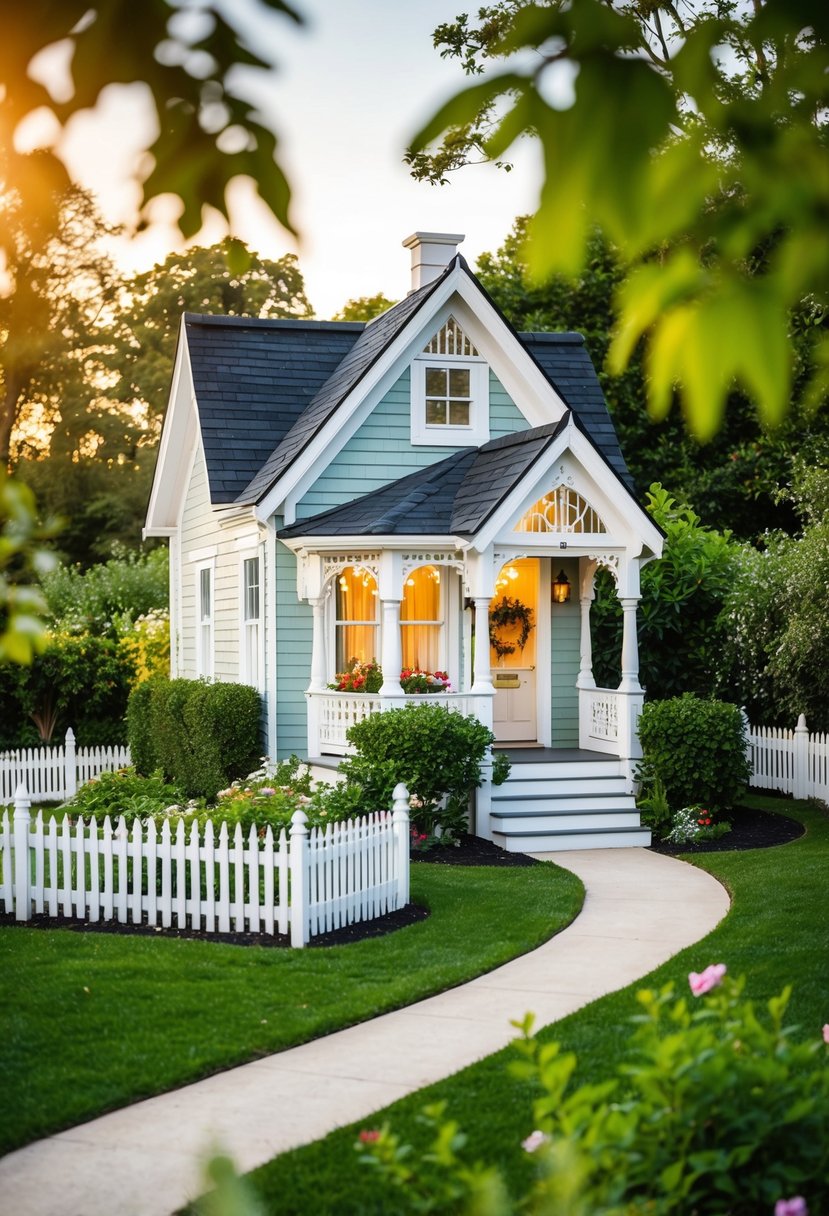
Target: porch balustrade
[332,713]
[609,721]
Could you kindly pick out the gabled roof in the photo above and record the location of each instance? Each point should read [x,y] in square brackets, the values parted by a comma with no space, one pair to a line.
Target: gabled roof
[266,388]
[252,380]
[453,497]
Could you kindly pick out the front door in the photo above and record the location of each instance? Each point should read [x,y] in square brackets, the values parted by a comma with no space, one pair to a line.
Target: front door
[514,620]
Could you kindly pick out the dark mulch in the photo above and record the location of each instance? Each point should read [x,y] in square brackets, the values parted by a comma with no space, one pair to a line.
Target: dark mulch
[473,851]
[750,829]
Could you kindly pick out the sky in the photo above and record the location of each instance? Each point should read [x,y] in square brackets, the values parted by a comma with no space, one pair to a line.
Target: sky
[351,88]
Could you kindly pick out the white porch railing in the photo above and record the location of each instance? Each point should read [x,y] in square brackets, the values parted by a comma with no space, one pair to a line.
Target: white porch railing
[793,762]
[331,714]
[52,774]
[303,883]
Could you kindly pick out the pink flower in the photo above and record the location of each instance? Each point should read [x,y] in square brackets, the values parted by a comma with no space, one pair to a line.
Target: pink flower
[710,978]
[534,1141]
[796,1206]
[369,1136]
[826,1033]
[267,791]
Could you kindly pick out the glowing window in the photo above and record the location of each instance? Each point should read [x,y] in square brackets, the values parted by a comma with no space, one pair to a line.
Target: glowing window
[357,617]
[421,619]
[562,510]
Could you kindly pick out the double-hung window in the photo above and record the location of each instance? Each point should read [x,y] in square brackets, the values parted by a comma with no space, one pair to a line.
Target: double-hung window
[204,620]
[251,639]
[450,391]
[421,620]
[357,625]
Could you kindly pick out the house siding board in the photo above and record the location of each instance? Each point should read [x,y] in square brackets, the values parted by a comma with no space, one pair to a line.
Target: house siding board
[565,653]
[294,630]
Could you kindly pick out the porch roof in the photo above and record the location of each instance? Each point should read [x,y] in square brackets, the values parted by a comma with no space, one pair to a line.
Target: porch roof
[453,497]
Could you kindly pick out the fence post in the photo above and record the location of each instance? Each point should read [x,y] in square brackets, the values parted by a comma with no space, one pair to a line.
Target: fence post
[801,759]
[299,878]
[22,871]
[402,840]
[70,772]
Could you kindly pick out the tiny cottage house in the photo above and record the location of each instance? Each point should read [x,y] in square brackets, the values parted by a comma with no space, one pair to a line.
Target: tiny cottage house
[420,501]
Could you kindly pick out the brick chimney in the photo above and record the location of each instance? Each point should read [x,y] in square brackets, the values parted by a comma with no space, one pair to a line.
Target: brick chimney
[431,254]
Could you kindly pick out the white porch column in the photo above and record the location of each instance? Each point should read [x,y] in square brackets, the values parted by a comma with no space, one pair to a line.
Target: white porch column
[392,653]
[319,670]
[585,677]
[482,672]
[630,646]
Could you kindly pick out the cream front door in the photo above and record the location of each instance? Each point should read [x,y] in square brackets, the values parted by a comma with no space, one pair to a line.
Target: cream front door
[515,708]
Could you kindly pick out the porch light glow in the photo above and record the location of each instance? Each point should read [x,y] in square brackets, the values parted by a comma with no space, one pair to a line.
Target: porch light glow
[561,589]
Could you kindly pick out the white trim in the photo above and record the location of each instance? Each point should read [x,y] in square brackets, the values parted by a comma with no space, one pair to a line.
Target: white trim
[544,654]
[449,435]
[251,554]
[205,664]
[271,674]
[179,435]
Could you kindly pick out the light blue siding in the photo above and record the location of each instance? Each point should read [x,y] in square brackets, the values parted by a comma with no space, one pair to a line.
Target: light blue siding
[293,648]
[381,451]
[565,655]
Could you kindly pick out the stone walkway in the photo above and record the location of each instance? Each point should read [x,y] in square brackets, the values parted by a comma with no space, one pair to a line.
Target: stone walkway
[146,1160]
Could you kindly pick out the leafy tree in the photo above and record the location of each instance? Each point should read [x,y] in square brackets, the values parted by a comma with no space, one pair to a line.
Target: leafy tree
[733,480]
[109,597]
[775,623]
[209,280]
[364,308]
[680,636]
[24,558]
[696,139]
[194,66]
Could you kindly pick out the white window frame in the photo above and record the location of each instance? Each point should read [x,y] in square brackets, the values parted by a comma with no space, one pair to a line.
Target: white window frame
[447,435]
[205,624]
[251,628]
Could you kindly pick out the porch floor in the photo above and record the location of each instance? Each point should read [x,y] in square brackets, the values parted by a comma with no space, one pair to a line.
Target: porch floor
[533,753]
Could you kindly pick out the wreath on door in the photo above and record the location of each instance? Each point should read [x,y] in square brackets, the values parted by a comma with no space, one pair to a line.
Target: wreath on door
[506,614]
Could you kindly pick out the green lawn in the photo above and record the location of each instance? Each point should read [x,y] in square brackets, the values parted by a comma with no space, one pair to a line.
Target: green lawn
[776,933]
[94,1021]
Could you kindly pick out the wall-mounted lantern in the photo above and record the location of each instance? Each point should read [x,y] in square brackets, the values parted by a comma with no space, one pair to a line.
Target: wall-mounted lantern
[561,589]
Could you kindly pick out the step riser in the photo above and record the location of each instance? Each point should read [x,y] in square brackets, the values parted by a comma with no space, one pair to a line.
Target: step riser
[562,844]
[565,786]
[576,802]
[562,821]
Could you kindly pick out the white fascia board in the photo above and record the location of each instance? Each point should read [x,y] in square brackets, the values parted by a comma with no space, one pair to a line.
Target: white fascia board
[625,504]
[333,544]
[175,449]
[495,342]
[509,511]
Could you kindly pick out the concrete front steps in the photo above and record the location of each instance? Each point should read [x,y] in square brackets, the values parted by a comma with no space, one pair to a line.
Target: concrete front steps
[552,805]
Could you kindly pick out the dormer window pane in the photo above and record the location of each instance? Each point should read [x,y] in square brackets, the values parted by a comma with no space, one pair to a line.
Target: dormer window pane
[459,413]
[459,382]
[448,396]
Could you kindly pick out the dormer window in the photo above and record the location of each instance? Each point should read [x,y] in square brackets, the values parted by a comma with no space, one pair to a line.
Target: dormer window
[450,391]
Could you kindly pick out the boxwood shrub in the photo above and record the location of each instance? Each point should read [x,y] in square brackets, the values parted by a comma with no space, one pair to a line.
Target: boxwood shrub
[696,748]
[200,736]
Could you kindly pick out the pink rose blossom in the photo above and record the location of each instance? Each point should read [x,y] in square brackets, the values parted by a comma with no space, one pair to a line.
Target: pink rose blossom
[710,978]
[534,1141]
[826,1033]
[796,1206]
[369,1136]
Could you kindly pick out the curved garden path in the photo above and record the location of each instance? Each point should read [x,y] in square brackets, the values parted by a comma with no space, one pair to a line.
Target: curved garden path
[640,909]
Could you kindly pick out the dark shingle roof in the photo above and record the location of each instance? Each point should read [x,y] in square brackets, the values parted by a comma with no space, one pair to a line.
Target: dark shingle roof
[456,496]
[366,350]
[252,379]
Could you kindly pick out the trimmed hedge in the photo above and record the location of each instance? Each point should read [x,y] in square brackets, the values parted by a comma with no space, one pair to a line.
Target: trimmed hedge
[696,748]
[200,736]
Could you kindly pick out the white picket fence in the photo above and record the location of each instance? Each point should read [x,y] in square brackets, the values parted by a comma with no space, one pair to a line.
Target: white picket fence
[791,761]
[303,883]
[53,774]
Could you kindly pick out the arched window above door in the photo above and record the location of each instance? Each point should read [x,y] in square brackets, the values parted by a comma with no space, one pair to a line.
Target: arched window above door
[561,510]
